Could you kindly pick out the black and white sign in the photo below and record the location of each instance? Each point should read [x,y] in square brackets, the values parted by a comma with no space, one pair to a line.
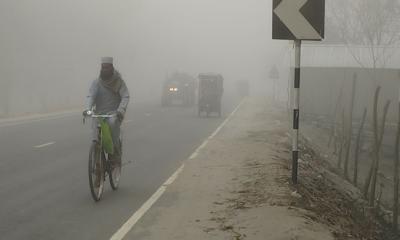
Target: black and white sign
[298,19]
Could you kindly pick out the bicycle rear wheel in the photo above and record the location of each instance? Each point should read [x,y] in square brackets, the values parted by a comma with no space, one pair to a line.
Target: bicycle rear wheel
[96,172]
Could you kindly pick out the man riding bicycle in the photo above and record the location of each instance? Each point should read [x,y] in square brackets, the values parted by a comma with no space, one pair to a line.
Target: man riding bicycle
[109,95]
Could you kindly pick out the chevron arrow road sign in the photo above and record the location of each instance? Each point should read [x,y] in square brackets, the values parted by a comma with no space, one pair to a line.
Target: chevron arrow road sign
[298,19]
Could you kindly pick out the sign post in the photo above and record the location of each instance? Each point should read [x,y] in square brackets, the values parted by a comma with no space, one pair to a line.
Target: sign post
[296,111]
[298,20]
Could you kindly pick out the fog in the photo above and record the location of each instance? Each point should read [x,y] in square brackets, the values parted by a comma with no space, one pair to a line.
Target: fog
[349,112]
[51,49]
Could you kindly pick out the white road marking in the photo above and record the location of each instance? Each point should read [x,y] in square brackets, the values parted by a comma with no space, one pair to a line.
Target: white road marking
[130,223]
[44,145]
[203,144]
[194,155]
[28,120]
[120,234]
[226,120]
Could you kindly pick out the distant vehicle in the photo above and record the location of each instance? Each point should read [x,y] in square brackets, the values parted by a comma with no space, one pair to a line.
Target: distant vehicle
[179,89]
[243,88]
[211,88]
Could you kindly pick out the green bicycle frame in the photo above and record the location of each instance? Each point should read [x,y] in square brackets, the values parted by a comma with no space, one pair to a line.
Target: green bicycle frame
[106,137]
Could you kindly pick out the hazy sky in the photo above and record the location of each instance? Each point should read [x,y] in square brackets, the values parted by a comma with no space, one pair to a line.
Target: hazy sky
[48,41]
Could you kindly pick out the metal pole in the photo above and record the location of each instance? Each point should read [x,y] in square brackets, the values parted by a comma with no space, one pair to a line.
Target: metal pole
[296,111]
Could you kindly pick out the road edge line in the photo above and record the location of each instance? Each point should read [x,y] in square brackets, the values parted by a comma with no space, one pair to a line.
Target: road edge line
[121,233]
[131,222]
[44,145]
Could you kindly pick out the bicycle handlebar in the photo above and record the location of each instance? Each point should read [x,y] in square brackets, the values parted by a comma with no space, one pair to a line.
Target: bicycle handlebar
[102,115]
[92,115]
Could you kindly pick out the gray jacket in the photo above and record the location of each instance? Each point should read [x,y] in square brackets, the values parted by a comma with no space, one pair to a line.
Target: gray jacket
[105,100]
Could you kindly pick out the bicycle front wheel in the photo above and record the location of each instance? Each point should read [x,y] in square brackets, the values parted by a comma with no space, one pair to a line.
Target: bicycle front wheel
[96,172]
[115,169]
[115,175]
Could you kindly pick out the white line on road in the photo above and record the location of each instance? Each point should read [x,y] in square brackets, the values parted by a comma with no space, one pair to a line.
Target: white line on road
[128,225]
[28,120]
[120,234]
[218,129]
[203,145]
[226,121]
[45,145]
[194,155]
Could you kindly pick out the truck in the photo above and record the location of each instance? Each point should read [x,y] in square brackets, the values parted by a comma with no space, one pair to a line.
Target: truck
[179,89]
[210,91]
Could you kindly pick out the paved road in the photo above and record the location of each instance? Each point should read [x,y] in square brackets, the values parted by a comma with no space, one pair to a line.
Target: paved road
[44,191]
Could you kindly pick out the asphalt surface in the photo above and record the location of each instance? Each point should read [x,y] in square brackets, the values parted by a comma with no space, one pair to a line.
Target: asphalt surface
[44,190]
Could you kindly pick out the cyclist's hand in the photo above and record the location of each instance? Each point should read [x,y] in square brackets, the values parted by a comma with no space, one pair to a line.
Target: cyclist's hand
[120,116]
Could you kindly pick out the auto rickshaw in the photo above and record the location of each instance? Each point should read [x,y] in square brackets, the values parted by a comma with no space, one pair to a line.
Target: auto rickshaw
[210,93]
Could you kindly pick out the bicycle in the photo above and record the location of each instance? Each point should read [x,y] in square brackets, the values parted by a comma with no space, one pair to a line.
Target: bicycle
[100,166]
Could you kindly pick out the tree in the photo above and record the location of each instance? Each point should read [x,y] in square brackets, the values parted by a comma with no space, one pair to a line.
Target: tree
[369,29]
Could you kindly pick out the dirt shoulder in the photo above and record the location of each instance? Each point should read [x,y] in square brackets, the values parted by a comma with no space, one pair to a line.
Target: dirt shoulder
[237,188]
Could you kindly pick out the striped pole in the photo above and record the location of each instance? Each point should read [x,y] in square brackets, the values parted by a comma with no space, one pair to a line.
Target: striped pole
[296,112]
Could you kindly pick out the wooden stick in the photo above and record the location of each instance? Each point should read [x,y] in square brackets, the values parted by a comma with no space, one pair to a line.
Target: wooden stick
[357,149]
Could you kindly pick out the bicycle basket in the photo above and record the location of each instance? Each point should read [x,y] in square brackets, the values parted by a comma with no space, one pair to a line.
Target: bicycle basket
[106,137]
